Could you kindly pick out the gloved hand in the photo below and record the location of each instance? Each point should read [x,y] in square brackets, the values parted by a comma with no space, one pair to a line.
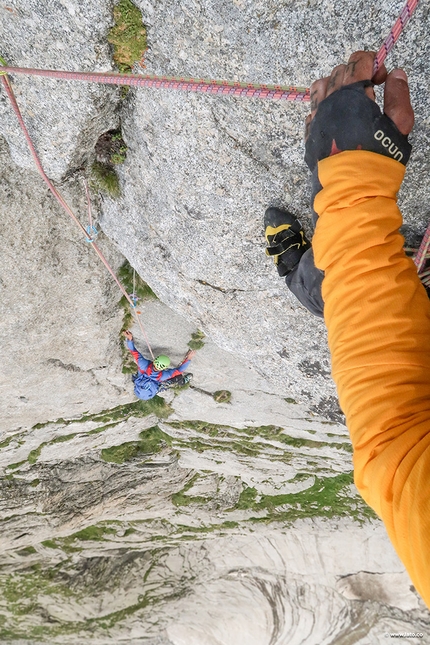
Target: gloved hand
[344,115]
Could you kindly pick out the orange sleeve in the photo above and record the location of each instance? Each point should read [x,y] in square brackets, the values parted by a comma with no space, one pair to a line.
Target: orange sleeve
[378,319]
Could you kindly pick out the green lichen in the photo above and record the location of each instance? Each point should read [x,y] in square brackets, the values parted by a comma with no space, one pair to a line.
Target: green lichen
[62,438]
[111,417]
[28,550]
[137,409]
[200,426]
[34,455]
[152,440]
[247,498]
[122,453]
[25,585]
[5,443]
[131,278]
[128,36]
[118,157]
[270,442]
[16,465]
[21,590]
[181,499]
[119,149]
[182,529]
[95,533]
[134,284]
[327,497]
[104,178]
[196,341]
[222,396]
[38,426]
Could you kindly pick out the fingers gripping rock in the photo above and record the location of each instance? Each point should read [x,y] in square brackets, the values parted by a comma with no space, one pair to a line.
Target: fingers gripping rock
[349,120]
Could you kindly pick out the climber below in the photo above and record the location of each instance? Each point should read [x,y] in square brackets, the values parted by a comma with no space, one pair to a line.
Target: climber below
[153,376]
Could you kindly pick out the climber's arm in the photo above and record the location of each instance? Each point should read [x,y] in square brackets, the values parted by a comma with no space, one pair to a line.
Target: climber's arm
[142,362]
[174,371]
[378,319]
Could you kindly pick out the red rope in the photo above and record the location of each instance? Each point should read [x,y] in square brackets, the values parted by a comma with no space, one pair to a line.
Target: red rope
[59,197]
[394,34]
[223,88]
[54,191]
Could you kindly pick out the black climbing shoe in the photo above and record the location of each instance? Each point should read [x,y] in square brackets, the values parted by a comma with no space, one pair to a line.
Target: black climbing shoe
[285,238]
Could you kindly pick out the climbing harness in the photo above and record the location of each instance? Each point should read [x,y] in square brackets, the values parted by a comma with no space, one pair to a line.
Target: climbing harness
[214,87]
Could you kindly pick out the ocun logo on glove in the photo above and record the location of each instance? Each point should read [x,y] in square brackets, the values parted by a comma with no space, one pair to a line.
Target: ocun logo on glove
[387,143]
[350,120]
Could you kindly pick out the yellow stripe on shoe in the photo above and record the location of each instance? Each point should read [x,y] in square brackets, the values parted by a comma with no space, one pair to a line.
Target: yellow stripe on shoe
[270,230]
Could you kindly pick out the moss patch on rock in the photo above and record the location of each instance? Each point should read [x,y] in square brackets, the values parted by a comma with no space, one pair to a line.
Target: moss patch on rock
[104,178]
[152,440]
[134,285]
[181,499]
[327,497]
[222,396]
[196,341]
[128,36]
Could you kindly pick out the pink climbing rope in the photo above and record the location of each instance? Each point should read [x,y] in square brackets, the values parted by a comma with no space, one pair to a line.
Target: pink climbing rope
[62,201]
[87,193]
[223,88]
[420,258]
[215,87]
[422,254]
[220,88]
[394,34]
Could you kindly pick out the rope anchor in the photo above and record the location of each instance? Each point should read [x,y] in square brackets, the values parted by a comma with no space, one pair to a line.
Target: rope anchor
[92,233]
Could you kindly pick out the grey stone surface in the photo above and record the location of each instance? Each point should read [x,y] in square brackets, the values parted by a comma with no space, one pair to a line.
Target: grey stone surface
[160,550]
[59,320]
[178,547]
[201,170]
[64,119]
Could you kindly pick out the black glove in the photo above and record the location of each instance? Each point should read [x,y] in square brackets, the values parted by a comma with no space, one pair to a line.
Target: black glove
[350,120]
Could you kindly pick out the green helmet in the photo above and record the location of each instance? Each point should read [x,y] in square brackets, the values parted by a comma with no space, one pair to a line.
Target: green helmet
[161,362]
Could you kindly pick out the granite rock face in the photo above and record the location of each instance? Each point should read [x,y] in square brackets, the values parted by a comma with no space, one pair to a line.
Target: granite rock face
[192,522]
[195,522]
[64,119]
[59,346]
[59,320]
[201,170]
